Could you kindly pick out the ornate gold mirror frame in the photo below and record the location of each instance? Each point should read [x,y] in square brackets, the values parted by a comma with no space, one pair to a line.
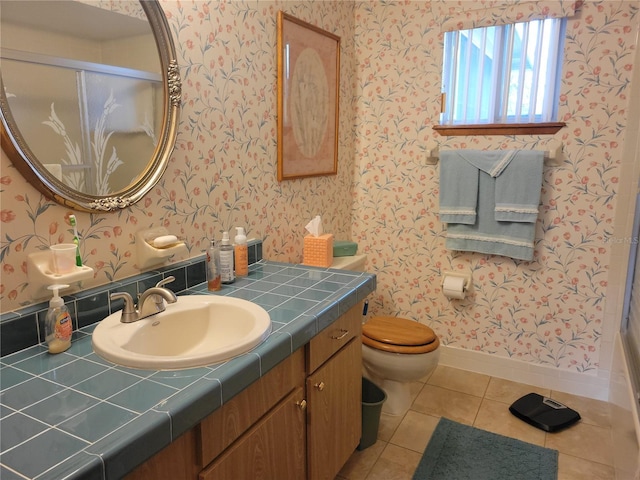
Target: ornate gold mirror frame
[33,170]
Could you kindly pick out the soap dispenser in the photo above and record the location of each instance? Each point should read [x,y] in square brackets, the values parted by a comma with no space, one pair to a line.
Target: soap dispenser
[58,323]
[241,253]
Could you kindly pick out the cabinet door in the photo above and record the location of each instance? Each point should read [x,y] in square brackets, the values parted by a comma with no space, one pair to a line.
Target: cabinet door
[274,448]
[334,415]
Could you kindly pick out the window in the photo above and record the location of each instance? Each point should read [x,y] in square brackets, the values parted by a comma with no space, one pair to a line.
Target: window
[506,74]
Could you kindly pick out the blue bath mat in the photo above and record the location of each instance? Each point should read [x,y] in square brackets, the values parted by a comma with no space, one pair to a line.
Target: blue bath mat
[460,452]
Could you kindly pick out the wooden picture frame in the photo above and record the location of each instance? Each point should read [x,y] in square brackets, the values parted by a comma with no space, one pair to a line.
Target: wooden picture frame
[308,86]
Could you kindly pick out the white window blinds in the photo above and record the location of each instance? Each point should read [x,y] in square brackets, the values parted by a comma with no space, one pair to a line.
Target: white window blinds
[503,74]
[503,64]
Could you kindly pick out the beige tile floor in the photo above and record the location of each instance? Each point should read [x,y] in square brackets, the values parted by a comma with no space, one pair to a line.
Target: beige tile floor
[586,451]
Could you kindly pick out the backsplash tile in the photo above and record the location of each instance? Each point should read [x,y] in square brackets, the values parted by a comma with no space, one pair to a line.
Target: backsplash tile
[25,327]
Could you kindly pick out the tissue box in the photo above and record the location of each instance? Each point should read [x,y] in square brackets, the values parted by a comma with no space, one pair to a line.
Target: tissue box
[318,251]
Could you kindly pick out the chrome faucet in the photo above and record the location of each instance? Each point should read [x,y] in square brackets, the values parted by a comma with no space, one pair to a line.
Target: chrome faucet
[151,301]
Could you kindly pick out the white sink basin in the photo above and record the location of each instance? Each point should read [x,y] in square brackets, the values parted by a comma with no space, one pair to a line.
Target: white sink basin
[195,331]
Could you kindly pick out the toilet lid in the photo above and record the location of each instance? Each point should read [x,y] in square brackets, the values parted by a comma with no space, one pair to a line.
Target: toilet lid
[398,331]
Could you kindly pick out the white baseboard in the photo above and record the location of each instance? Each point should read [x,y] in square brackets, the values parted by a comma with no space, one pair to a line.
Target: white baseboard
[584,384]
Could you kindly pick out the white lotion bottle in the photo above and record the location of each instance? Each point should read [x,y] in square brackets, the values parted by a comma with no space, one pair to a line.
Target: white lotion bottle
[58,323]
[241,252]
[227,274]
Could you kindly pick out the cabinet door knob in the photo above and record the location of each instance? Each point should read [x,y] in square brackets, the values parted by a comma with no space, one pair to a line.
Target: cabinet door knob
[302,404]
[319,386]
[343,333]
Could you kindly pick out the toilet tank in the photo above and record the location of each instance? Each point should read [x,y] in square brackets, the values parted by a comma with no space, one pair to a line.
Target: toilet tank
[354,262]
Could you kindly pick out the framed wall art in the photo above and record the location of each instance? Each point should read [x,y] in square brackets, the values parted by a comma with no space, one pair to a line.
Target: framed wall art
[308,84]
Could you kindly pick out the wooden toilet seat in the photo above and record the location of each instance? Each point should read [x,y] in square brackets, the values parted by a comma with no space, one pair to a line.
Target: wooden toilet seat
[399,335]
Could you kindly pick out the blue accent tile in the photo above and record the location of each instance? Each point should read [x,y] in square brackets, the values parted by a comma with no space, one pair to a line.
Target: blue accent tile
[288,290]
[148,282]
[131,445]
[311,294]
[17,428]
[52,447]
[92,309]
[299,304]
[82,346]
[22,354]
[142,396]
[236,375]
[263,286]
[6,474]
[180,283]
[10,376]
[179,378]
[268,300]
[81,465]
[188,407]
[17,332]
[272,351]
[304,282]
[196,274]
[60,406]
[97,422]
[28,393]
[250,295]
[328,286]
[301,331]
[107,383]
[282,315]
[44,362]
[329,314]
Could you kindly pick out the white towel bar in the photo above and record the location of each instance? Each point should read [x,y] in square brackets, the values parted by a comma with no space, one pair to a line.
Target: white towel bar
[552,156]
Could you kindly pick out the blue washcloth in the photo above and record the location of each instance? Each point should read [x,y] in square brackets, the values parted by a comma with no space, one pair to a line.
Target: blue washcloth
[493,162]
[458,189]
[518,188]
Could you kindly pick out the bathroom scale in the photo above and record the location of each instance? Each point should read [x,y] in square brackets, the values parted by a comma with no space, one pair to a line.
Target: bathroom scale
[544,412]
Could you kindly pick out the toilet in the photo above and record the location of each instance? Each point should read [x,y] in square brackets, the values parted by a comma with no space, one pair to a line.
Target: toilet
[395,351]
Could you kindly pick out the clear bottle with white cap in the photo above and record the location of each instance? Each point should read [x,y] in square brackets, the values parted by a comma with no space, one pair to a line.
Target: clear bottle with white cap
[227,274]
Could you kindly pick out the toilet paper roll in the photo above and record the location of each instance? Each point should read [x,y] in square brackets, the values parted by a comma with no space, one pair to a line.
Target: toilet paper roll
[453,287]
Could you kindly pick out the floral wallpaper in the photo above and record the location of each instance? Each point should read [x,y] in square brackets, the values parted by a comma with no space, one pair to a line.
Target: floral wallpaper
[548,311]
[223,172]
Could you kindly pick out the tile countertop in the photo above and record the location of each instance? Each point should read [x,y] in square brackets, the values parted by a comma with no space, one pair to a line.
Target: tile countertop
[75,415]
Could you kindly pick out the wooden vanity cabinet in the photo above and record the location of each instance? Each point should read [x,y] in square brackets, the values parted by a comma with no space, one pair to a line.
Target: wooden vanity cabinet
[334,393]
[300,420]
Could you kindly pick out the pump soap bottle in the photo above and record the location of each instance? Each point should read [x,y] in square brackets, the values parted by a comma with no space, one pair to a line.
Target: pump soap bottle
[226,260]
[241,252]
[213,267]
[58,323]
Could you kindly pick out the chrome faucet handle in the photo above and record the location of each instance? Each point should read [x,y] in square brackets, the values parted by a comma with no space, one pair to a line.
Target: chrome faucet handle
[151,301]
[157,298]
[129,313]
[164,281]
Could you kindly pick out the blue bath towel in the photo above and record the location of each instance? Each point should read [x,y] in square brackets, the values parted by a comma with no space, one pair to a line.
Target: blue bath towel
[458,189]
[488,234]
[518,188]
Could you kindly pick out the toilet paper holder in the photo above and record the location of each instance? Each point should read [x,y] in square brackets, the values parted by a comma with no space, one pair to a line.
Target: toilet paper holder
[464,275]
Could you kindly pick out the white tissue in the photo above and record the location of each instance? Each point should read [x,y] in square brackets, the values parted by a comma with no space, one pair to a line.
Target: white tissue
[314,227]
[454,287]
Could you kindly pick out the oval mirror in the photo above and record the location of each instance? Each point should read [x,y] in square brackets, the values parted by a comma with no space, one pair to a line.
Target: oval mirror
[89,98]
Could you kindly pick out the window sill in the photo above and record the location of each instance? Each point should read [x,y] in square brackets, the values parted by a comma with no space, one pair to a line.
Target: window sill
[548,128]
